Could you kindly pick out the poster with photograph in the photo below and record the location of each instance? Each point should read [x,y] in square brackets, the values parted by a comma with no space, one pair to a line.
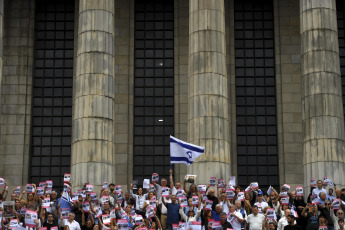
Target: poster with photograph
[135,184]
[189,178]
[30,217]
[29,188]
[106,219]
[195,200]
[86,206]
[2,182]
[105,184]
[118,189]
[208,205]
[299,191]
[220,183]
[155,177]
[46,202]
[13,224]
[65,213]
[165,192]
[213,181]
[49,183]
[8,209]
[67,177]
[184,201]
[122,224]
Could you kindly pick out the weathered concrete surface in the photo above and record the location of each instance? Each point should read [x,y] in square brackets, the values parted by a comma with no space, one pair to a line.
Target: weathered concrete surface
[93,145]
[322,105]
[208,114]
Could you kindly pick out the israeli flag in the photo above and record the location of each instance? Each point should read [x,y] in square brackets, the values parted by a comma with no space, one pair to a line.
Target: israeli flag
[65,196]
[183,152]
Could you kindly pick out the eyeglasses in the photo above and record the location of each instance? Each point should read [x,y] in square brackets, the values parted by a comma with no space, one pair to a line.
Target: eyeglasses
[327,204]
[341,213]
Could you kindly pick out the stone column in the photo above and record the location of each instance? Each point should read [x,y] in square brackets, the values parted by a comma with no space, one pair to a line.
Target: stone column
[322,104]
[208,118]
[1,38]
[93,148]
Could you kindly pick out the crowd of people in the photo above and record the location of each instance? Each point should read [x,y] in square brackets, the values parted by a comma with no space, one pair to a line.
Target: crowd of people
[219,205]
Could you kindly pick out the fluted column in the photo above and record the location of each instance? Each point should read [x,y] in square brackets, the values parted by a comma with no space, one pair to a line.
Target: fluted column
[93,145]
[1,38]
[208,118]
[322,104]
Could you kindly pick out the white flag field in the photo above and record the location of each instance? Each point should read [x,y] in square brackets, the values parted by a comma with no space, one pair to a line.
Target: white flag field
[183,152]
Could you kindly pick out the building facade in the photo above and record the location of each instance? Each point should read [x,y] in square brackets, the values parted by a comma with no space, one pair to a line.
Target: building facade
[95,88]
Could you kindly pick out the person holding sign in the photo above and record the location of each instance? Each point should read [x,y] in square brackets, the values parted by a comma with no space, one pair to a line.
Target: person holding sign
[284,220]
[50,221]
[318,189]
[340,215]
[192,216]
[312,217]
[71,223]
[172,211]
[239,219]
[211,196]
[174,187]
[260,203]
[159,187]
[224,221]
[292,223]
[87,223]
[139,200]
[254,220]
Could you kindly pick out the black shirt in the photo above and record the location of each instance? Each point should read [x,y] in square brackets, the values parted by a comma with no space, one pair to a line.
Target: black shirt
[313,222]
[226,225]
[215,201]
[46,224]
[290,227]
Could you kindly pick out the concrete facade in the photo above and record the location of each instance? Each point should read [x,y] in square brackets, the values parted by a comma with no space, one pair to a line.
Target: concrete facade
[322,102]
[298,30]
[208,118]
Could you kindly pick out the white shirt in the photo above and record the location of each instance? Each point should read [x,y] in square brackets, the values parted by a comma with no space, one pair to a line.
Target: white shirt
[317,191]
[74,225]
[174,191]
[282,223]
[164,210]
[255,222]
[139,200]
[237,225]
[225,206]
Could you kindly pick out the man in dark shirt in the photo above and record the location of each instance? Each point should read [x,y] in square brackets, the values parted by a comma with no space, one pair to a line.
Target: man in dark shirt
[312,217]
[291,221]
[50,221]
[211,196]
[173,209]
[224,222]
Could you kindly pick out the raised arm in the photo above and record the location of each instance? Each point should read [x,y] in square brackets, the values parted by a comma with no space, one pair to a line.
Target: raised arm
[184,187]
[304,212]
[171,179]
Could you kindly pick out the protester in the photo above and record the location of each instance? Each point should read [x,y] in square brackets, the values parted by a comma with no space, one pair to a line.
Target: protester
[236,225]
[318,189]
[192,215]
[254,220]
[91,211]
[312,217]
[172,211]
[284,220]
[224,221]
[292,223]
[341,224]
